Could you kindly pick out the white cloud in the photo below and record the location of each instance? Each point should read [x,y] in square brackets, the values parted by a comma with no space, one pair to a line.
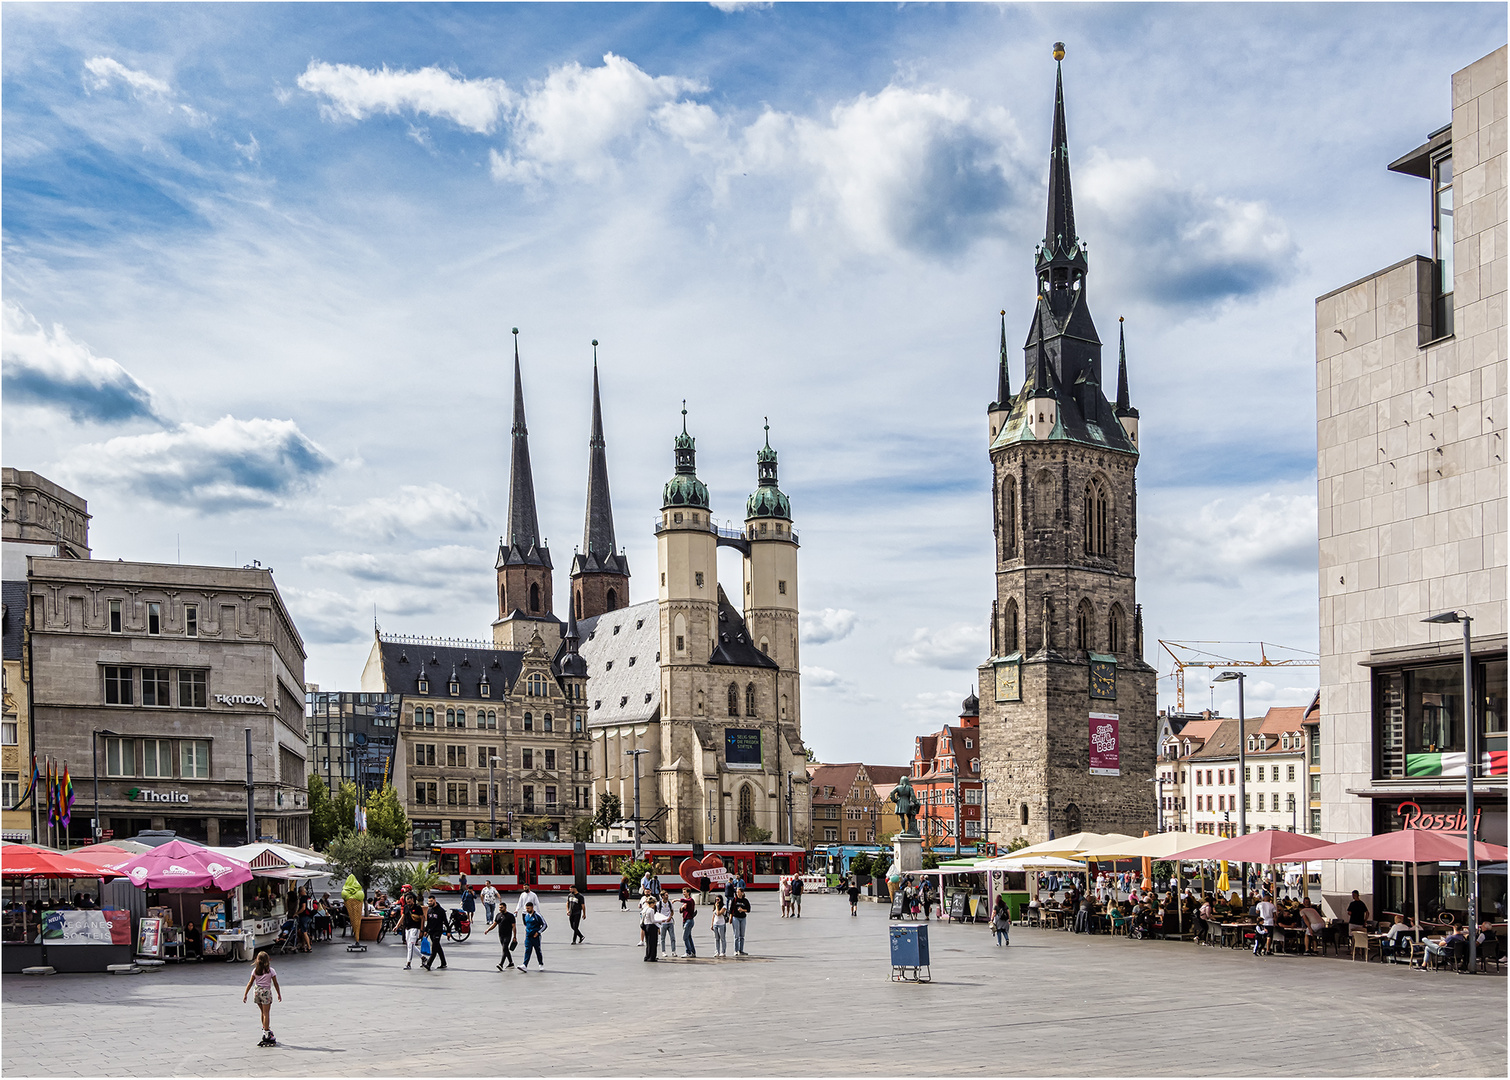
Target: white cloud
[828,624]
[934,706]
[230,464]
[51,369]
[429,509]
[102,71]
[738,5]
[576,114]
[821,678]
[357,92]
[1231,538]
[1179,244]
[961,647]
[251,150]
[448,566]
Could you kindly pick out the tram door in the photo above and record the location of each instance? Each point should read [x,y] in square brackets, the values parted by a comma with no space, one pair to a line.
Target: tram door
[529,869]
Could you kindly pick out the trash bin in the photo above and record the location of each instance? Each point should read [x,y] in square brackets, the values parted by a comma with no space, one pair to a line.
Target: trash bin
[909,953]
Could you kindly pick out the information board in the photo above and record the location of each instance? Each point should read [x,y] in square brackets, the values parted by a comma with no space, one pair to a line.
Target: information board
[898,901]
[957,910]
[1106,757]
[149,938]
[742,748]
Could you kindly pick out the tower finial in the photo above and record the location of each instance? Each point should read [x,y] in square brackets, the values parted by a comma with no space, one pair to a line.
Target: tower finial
[684,416]
[767,432]
[595,354]
[516,346]
[1058,50]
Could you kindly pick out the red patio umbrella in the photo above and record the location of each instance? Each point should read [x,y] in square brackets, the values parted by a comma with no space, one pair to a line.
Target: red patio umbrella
[23,860]
[1268,847]
[1415,846]
[105,855]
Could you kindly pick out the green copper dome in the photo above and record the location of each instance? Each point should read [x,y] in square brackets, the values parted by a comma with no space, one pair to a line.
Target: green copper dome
[768,500]
[685,489]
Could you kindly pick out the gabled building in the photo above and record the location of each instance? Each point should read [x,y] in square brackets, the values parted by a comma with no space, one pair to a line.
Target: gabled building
[846,806]
[1274,773]
[946,776]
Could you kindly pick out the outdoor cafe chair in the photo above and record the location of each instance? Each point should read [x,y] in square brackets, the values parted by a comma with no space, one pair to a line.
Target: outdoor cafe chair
[1362,940]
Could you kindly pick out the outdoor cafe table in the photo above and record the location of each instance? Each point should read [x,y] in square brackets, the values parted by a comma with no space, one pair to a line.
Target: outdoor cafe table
[1055,917]
[1234,931]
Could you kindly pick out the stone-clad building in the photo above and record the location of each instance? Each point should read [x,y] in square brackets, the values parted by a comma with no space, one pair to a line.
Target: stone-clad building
[710,694]
[1068,703]
[1410,408]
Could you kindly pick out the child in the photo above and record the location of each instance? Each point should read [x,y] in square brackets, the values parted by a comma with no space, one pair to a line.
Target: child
[266,980]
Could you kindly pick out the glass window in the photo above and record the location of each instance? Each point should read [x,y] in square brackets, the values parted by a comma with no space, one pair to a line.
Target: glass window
[118,687]
[450,718]
[194,759]
[115,616]
[191,620]
[1316,821]
[120,757]
[529,797]
[9,733]
[157,758]
[193,690]
[550,795]
[154,617]
[10,789]
[529,722]
[155,686]
[550,759]
[527,756]
[1442,236]
[419,793]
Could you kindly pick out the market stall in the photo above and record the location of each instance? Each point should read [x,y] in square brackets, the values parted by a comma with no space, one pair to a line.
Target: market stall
[189,889]
[54,917]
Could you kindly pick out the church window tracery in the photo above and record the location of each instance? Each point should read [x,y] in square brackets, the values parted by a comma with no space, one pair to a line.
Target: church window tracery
[1116,639]
[1083,617]
[1009,628]
[1097,519]
[733,699]
[750,699]
[1009,518]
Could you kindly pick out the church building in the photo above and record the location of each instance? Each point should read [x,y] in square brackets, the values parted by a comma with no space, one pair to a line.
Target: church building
[1067,724]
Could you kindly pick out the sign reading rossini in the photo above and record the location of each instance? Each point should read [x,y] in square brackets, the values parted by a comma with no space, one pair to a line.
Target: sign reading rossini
[1106,757]
[241,699]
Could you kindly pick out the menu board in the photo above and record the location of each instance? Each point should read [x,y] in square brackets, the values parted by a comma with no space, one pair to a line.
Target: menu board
[149,938]
[898,902]
[957,904]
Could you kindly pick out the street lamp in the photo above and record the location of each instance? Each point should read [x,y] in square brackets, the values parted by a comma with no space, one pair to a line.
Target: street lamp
[985,810]
[492,799]
[1470,741]
[636,755]
[94,753]
[1242,765]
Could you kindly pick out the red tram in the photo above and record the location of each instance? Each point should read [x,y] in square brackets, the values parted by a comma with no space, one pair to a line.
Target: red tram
[548,867]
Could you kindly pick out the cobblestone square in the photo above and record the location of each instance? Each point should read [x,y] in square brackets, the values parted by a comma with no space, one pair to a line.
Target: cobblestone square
[814,998]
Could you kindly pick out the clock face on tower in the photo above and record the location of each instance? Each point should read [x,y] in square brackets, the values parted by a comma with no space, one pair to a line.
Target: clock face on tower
[1009,682]
[1104,680]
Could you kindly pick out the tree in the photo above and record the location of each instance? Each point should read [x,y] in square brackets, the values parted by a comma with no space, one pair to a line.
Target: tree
[386,817]
[930,860]
[754,834]
[322,816]
[344,805]
[1018,842]
[582,829]
[357,853]
[610,810]
[860,865]
[534,828]
[811,754]
[420,876]
[633,870]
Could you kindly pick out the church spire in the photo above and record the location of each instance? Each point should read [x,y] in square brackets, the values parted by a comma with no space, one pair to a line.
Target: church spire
[524,523]
[1061,263]
[1003,381]
[1124,401]
[1059,234]
[597,534]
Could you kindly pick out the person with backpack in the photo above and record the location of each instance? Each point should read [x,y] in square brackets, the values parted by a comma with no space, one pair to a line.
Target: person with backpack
[1001,920]
[534,927]
[576,911]
[265,979]
[436,926]
[410,919]
[508,933]
[623,894]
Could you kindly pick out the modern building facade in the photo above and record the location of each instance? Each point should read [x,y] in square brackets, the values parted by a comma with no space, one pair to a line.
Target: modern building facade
[946,776]
[1068,726]
[1410,401]
[150,678]
[352,736]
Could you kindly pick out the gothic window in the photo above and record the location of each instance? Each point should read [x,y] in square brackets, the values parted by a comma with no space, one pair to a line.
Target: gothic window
[750,700]
[579,605]
[733,699]
[1009,518]
[1009,628]
[746,809]
[1083,617]
[1024,813]
[534,596]
[1115,641]
[1043,500]
[613,600]
[1097,519]
[503,602]
[1071,819]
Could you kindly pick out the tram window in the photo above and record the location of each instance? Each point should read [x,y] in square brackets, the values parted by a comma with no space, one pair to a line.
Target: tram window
[482,863]
[763,863]
[503,862]
[547,864]
[600,864]
[780,864]
[448,863]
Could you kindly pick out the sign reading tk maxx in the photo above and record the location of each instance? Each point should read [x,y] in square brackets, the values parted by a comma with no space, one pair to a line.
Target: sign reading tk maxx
[742,748]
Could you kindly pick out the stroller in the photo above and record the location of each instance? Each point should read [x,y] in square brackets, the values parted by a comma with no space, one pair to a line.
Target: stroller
[288,938]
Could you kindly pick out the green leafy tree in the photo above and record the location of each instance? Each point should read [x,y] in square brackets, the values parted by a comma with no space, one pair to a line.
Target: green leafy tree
[1017,844]
[357,853]
[880,862]
[634,869]
[420,876]
[534,828]
[860,865]
[582,829]
[344,806]
[930,860]
[754,834]
[386,817]
[322,816]
[610,810]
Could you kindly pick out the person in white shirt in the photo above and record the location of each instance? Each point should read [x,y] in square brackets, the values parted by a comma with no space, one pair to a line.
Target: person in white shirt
[489,900]
[526,896]
[1263,941]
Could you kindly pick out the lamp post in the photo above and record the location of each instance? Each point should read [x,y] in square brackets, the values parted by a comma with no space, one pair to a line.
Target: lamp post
[1242,765]
[791,833]
[635,754]
[492,799]
[1470,744]
[985,810]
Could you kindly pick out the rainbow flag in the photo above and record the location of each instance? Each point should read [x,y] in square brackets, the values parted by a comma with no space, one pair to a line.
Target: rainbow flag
[52,794]
[65,796]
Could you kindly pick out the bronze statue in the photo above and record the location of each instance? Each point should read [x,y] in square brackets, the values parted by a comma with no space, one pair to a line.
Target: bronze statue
[907,806]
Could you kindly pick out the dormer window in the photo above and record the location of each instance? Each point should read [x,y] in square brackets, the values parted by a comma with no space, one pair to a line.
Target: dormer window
[424,685]
[455,688]
[484,689]
[616,628]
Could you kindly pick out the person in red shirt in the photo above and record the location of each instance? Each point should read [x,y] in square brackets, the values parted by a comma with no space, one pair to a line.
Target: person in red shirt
[689,916]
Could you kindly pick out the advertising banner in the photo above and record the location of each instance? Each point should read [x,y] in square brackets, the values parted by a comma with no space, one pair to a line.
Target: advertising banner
[1106,758]
[86,927]
[742,748]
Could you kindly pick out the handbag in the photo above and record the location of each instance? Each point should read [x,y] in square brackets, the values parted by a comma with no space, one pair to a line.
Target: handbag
[424,946]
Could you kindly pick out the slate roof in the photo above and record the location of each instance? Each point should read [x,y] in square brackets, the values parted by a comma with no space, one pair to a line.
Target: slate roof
[1222,744]
[14,596]
[622,649]
[403,662]
[734,647]
[887,774]
[839,777]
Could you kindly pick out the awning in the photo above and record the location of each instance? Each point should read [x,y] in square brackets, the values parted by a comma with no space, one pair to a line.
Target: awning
[286,873]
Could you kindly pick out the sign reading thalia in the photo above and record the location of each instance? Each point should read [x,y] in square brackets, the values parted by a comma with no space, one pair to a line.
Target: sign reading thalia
[141,794]
[241,699]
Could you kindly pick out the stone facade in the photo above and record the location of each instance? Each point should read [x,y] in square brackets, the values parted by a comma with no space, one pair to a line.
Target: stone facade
[1411,480]
[15,747]
[171,665]
[41,512]
[845,806]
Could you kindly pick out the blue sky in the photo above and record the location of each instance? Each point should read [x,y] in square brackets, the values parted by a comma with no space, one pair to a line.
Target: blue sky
[261,263]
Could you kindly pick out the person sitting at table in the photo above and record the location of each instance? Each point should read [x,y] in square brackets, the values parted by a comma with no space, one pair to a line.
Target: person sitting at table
[1397,941]
[1453,946]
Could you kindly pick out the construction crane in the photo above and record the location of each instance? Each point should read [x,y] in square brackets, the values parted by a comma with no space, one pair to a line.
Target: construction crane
[1194,654]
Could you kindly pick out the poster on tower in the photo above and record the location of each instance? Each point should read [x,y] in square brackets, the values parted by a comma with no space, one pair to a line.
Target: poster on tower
[1106,758]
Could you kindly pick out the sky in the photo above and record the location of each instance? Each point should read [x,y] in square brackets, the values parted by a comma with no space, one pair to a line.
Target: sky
[261,264]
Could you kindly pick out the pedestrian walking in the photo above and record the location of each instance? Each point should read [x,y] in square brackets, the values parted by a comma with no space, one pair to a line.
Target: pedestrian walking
[739,910]
[1001,920]
[786,896]
[623,894]
[576,911]
[720,927]
[489,900]
[526,897]
[265,979]
[649,925]
[667,925]
[534,927]
[689,916]
[797,895]
[731,885]
[854,895]
[508,933]
[928,899]
[410,919]
[435,928]
[468,903]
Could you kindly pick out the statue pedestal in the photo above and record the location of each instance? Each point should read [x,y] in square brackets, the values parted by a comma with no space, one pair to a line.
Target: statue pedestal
[907,853]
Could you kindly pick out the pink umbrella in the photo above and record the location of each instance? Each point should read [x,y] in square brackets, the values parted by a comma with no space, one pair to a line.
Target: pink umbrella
[177,865]
[1269,846]
[1416,846]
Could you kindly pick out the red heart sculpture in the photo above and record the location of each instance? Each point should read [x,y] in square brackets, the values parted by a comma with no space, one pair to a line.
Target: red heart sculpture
[709,869]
